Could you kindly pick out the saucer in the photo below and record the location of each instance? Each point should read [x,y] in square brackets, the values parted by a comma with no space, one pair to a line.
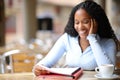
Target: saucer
[114,76]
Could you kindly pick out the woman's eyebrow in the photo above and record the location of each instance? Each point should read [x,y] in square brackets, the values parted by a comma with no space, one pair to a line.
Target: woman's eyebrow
[87,18]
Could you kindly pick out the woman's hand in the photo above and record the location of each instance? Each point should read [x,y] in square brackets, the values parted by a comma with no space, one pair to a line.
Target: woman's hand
[39,70]
[94,27]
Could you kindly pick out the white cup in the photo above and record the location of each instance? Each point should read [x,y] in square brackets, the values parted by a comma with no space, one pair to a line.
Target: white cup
[105,70]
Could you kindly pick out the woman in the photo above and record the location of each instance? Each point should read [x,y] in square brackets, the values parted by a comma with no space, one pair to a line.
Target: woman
[88,41]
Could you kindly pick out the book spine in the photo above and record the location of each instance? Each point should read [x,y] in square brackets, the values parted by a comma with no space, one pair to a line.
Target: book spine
[77,74]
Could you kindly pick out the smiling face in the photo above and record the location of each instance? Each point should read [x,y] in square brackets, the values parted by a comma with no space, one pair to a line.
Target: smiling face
[82,22]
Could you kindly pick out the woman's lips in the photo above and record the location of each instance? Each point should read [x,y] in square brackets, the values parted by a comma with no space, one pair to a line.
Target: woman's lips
[83,32]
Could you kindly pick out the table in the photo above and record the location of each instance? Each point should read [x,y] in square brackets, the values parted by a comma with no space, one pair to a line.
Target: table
[17,76]
[87,75]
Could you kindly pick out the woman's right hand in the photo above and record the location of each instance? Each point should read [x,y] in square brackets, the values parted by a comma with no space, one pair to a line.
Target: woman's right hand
[39,70]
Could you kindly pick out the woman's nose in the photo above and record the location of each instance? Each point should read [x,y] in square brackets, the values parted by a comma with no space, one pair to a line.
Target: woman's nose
[80,26]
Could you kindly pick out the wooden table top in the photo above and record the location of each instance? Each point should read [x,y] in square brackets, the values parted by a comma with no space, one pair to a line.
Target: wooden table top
[87,75]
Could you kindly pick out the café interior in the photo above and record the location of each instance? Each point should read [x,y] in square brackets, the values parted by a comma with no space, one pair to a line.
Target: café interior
[29,29]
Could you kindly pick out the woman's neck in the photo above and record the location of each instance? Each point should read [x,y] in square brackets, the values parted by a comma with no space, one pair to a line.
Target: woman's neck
[84,43]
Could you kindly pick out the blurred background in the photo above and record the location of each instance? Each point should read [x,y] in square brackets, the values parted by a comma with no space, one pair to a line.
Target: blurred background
[26,20]
[33,26]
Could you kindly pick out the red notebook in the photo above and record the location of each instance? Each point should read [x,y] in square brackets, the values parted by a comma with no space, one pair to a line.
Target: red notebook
[61,74]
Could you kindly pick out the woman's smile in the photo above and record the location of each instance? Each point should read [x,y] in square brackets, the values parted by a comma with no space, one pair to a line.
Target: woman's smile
[83,32]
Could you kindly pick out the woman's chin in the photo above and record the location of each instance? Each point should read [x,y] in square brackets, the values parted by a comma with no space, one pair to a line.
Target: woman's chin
[83,35]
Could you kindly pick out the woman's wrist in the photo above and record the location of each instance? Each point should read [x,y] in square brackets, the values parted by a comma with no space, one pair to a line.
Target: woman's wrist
[91,37]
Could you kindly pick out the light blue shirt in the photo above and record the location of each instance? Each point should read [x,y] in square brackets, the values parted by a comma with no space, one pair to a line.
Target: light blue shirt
[100,51]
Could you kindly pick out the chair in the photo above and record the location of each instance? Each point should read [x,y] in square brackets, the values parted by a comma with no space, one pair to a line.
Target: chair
[118,62]
[19,61]
[22,62]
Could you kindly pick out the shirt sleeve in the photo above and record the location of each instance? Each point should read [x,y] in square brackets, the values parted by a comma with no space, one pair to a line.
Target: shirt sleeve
[54,54]
[104,54]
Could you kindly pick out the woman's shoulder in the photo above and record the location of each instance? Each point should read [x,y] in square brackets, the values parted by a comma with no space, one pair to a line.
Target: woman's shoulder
[107,41]
[67,37]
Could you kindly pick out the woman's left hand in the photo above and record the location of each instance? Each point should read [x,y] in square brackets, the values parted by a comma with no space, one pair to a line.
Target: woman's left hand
[93,28]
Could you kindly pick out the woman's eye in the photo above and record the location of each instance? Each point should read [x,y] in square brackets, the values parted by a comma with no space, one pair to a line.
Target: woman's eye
[86,21]
[76,22]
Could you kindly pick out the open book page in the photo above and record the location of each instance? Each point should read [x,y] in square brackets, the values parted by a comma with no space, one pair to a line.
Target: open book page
[62,71]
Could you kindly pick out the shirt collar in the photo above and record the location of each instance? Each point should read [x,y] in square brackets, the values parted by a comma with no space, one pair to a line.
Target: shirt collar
[97,37]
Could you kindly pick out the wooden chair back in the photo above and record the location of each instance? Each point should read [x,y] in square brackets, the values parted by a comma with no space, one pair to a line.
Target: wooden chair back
[22,62]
